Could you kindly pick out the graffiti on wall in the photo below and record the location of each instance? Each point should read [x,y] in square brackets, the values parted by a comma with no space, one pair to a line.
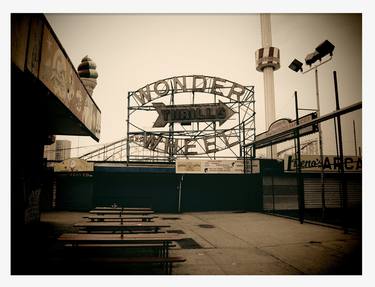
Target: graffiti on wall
[32,210]
[60,77]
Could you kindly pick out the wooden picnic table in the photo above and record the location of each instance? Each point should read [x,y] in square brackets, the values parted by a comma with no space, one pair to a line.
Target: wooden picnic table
[121,208]
[120,217]
[77,239]
[120,226]
[123,212]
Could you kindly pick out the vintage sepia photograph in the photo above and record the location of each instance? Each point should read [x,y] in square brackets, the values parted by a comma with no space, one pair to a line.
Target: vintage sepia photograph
[172,144]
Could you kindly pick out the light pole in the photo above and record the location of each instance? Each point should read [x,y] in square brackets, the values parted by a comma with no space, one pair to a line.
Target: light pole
[355,139]
[321,51]
[301,193]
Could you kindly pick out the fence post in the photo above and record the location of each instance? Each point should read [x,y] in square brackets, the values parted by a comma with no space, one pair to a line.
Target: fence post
[341,165]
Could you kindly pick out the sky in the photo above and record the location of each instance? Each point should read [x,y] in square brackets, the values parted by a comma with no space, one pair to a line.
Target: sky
[132,50]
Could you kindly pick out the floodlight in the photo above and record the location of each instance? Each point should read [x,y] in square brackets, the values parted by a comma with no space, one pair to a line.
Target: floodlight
[325,48]
[295,65]
[312,58]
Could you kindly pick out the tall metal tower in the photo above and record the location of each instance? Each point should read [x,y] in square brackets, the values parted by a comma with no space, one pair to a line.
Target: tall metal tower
[268,60]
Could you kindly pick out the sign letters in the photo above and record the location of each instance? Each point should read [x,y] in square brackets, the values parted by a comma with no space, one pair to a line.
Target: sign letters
[312,163]
[220,114]
[185,114]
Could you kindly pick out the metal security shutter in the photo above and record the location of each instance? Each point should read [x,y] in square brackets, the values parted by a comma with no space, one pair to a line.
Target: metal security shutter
[332,192]
[354,193]
[280,193]
[313,195]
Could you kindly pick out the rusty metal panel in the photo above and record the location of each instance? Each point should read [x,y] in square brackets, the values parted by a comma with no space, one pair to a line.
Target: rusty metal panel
[19,35]
[35,45]
[61,78]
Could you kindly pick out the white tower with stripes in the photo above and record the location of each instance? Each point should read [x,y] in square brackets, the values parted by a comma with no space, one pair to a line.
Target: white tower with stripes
[267,60]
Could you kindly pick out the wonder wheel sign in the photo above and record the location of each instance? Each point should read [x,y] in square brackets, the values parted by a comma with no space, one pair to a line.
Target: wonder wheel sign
[192,116]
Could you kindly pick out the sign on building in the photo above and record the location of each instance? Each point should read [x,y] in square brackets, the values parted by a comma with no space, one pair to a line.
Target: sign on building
[74,165]
[312,163]
[60,77]
[36,49]
[283,125]
[216,166]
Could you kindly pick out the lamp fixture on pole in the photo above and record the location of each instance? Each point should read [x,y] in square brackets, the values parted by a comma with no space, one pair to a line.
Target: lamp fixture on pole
[296,66]
[323,49]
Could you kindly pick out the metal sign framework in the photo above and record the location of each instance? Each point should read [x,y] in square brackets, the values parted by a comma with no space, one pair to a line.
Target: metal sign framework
[277,137]
[284,124]
[194,116]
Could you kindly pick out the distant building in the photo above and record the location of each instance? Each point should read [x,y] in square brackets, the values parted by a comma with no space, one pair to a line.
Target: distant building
[59,150]
[310,148]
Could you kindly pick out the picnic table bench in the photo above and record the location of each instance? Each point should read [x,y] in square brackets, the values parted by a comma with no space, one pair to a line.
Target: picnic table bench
[77,240]
[120,226]
[123,212]
[121,217]
[121,208]
[155,248]
[166,262]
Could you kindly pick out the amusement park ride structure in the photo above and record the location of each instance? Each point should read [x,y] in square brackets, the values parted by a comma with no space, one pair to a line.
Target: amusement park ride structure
[193,116]
[187,117]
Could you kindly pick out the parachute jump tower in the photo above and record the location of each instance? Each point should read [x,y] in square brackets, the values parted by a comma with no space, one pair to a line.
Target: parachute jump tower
[267,61]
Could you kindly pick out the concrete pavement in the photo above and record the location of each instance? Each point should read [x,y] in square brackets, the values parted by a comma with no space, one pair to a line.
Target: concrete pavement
[250,244]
